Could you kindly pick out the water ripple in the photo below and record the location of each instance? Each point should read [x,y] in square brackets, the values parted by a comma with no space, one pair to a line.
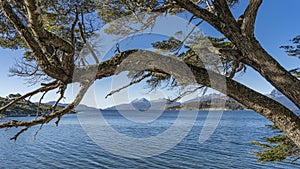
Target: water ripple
[67,146]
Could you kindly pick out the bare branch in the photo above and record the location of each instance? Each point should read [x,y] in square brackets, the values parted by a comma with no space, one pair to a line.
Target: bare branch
[38,130]
[130,84]
[185,93]
[39,104]
[23,68]
[18,134]
[189,34]
[49,117]
[249,17]
[30,71]
[62,90]
[48,87]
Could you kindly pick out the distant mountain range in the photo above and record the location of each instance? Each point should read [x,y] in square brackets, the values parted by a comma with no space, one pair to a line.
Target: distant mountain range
[211,101]
[204,102]
[144,105]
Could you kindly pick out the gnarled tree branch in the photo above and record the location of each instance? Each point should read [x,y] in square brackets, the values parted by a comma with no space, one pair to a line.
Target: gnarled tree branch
[47,38]
[285,119]
[251,49]
[44,36]
[51,70]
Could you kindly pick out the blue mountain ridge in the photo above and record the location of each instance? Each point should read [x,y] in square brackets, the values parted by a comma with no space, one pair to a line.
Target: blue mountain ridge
[160,104]
[143,104]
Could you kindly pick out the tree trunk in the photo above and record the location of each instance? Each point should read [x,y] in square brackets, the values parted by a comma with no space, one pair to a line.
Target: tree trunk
[242,37]
[281,116]
[270,69]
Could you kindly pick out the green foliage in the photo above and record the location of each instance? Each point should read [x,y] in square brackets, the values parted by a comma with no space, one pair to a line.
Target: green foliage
[170,45]
[9,37]
[294,50]
[227,51]
[277,148]
[110,10]
[13,96]
[57,16]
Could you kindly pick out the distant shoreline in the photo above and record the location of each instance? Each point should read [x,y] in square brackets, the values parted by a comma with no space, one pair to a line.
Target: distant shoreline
[75,112]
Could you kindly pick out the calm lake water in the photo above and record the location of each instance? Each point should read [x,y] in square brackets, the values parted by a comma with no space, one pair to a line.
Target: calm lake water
[68,146]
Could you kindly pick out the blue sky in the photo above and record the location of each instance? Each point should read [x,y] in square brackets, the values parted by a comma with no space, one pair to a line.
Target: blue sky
[276,24]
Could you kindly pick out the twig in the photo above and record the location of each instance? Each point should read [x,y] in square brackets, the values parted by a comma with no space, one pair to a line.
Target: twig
[62,90]
[131,83]
[295,159]
[82,21]
[191,19]
[37,131]
[210,8]
[20,132]
[184,94]
[38,108]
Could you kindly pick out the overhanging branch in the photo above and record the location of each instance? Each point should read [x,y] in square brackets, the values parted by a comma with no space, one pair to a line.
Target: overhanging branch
[147,61]
[265,106]
[49,117]
[48,87]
